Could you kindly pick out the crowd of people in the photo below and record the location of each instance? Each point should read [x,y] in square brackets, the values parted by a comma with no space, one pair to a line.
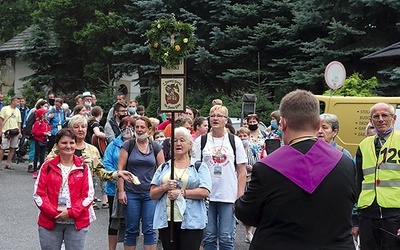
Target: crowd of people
[195,182]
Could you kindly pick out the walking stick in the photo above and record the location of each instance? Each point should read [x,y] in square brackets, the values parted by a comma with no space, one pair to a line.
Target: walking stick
[171,233]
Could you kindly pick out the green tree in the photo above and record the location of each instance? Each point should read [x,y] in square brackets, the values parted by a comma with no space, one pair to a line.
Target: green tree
[343,31]
[80,34]
[14,18]
[355,85]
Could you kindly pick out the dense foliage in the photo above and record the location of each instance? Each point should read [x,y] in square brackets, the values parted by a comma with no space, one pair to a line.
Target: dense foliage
[170,41]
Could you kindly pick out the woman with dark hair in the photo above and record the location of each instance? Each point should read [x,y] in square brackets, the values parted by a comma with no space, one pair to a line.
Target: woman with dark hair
[110,161]
[140,157]
[64,193]
[200,126]
[257,136]
[94,127]
[80,109]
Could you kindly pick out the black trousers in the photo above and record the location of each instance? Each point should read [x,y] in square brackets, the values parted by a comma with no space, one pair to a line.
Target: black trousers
[373,238]
[50,143]
[183,239]
[39,155]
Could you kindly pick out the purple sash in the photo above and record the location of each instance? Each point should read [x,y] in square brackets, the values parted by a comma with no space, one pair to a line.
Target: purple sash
[306,171]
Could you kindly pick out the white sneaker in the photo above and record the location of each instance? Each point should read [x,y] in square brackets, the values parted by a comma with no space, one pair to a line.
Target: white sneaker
[249,238]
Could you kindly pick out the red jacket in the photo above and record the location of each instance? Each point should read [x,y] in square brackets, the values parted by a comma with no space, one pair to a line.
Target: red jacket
[47,188]
[39,128]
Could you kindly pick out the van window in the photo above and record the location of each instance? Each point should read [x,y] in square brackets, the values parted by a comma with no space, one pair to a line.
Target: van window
[322,106]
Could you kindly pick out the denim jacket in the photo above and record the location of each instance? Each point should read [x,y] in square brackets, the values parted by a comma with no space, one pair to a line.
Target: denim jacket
[57,121]
[195,215]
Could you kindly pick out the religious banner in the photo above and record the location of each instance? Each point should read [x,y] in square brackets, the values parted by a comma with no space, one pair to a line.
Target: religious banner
[172,94]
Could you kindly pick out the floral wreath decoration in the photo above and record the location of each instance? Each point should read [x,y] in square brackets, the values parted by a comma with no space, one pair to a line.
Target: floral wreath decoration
[170,41]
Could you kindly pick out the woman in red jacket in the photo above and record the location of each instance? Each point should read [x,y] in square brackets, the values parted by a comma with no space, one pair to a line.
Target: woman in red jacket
[64,193]
[40,132]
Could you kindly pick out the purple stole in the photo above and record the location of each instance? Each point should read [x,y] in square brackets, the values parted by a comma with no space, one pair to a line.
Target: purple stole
[305,170]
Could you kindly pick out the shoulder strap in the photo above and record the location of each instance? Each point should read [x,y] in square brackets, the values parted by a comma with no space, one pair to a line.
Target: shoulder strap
[132,143]
[202,145]
[233,145]
[6,120]
[163,165]
[263,134]
[197,165]
[156,148]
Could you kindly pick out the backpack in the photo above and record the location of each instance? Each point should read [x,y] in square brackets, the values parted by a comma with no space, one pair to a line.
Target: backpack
[231,141]
[27,130]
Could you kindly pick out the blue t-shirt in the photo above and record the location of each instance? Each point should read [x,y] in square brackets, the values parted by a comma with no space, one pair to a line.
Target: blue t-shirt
[141,165]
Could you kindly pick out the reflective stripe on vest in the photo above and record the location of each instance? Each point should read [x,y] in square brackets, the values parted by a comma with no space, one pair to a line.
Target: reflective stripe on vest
[382,179]
[369,186]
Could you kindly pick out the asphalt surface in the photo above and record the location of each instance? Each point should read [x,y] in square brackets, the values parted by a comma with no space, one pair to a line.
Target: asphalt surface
[18,215]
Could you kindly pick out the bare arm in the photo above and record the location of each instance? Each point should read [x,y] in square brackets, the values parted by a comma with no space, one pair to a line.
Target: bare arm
[156,192]
[98,133]
[196,193]
[123,157]
[241,175]
[160,158]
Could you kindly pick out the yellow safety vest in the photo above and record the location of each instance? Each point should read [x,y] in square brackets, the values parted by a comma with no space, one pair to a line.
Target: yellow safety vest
[382,175]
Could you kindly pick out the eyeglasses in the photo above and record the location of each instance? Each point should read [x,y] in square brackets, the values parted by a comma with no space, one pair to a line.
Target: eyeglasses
[126,128]
[383,116]
[218,116]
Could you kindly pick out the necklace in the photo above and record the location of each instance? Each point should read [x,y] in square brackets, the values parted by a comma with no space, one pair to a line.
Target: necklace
[142,150]
[218,154]
[302,138]
[179,178]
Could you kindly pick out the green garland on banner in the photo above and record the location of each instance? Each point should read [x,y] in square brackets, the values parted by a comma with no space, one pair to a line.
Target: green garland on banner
[170,41]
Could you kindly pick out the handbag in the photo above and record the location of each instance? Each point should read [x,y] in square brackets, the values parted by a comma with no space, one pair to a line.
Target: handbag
[99,143]
[11,133]
[42,143]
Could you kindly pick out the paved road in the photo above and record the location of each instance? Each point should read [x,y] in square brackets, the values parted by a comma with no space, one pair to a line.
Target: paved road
[18,216]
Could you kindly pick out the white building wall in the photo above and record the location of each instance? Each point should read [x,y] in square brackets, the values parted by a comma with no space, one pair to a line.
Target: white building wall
[21,71]
[131,84]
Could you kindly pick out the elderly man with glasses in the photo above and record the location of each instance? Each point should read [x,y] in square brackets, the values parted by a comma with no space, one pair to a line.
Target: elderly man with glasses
[378,176]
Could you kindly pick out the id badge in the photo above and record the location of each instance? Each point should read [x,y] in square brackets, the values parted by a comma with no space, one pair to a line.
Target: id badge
[62,203]
[59,127]
[218,170]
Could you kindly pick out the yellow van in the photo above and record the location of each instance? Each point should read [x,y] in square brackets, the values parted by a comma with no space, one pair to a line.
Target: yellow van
[353,116]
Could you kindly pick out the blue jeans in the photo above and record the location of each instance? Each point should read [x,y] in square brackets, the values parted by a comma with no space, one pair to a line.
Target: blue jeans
[52,239]
[221,227]
[139,206]
[31,156]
